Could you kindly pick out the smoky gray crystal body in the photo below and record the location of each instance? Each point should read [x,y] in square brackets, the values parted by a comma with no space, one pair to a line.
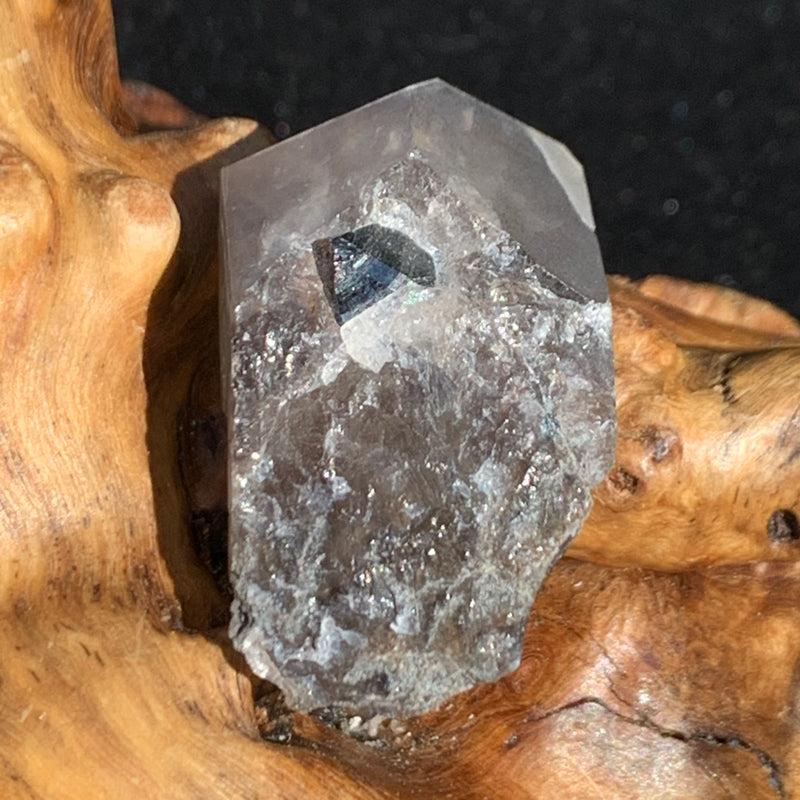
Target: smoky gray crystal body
[419,388]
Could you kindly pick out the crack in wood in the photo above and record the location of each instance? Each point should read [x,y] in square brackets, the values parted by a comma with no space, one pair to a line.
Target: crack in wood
[706,737]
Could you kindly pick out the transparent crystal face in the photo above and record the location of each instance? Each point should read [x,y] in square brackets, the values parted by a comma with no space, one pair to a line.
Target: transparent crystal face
[418,404]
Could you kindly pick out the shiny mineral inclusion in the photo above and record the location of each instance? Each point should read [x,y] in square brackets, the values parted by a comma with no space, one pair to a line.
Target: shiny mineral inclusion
[360,267]
[416,340]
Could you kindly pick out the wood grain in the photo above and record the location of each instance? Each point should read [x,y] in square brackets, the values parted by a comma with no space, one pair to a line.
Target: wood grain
[662,655]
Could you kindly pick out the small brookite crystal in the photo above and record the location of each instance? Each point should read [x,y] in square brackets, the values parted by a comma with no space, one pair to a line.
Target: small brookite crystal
[416,341]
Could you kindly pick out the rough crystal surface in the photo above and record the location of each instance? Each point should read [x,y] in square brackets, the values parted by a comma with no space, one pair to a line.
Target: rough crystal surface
[419,391]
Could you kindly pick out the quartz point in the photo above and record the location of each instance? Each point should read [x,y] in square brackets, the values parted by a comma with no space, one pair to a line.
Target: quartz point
[419,384]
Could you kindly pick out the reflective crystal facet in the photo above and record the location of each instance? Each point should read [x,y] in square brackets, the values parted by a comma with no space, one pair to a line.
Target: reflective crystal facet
[361,267]
[419,377]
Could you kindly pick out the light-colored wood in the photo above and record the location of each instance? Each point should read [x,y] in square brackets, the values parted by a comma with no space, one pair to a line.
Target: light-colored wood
[662,654]
[709,430]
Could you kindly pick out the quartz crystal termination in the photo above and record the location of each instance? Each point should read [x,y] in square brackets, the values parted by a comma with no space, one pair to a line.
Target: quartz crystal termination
[416,343]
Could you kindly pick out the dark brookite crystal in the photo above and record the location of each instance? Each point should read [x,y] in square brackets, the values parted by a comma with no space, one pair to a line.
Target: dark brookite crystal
[360,267]
[420,396]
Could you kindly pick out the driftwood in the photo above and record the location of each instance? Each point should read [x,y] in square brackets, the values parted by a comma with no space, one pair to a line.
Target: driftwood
[663,652]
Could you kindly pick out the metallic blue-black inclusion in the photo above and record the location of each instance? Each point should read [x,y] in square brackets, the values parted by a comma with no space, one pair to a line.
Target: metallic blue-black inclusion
[360,267]
[359,278]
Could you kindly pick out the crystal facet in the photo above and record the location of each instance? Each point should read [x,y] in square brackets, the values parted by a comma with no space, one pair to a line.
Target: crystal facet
[361,267]
[419,377]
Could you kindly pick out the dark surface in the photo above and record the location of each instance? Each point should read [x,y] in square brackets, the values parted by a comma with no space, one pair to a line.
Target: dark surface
[686,116]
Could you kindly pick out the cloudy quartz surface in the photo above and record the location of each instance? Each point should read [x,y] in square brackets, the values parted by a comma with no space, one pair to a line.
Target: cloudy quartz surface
[416,340]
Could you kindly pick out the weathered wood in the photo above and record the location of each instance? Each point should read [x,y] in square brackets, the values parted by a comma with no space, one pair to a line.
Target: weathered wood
[709,431]
[662,655]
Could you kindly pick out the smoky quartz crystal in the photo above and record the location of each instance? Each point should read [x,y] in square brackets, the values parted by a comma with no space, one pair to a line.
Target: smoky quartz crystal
[416,343]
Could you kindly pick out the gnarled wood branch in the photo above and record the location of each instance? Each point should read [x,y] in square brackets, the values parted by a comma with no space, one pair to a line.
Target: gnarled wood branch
[661,656]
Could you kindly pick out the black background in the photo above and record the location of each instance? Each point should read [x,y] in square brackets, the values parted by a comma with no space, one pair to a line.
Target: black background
[686,115]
